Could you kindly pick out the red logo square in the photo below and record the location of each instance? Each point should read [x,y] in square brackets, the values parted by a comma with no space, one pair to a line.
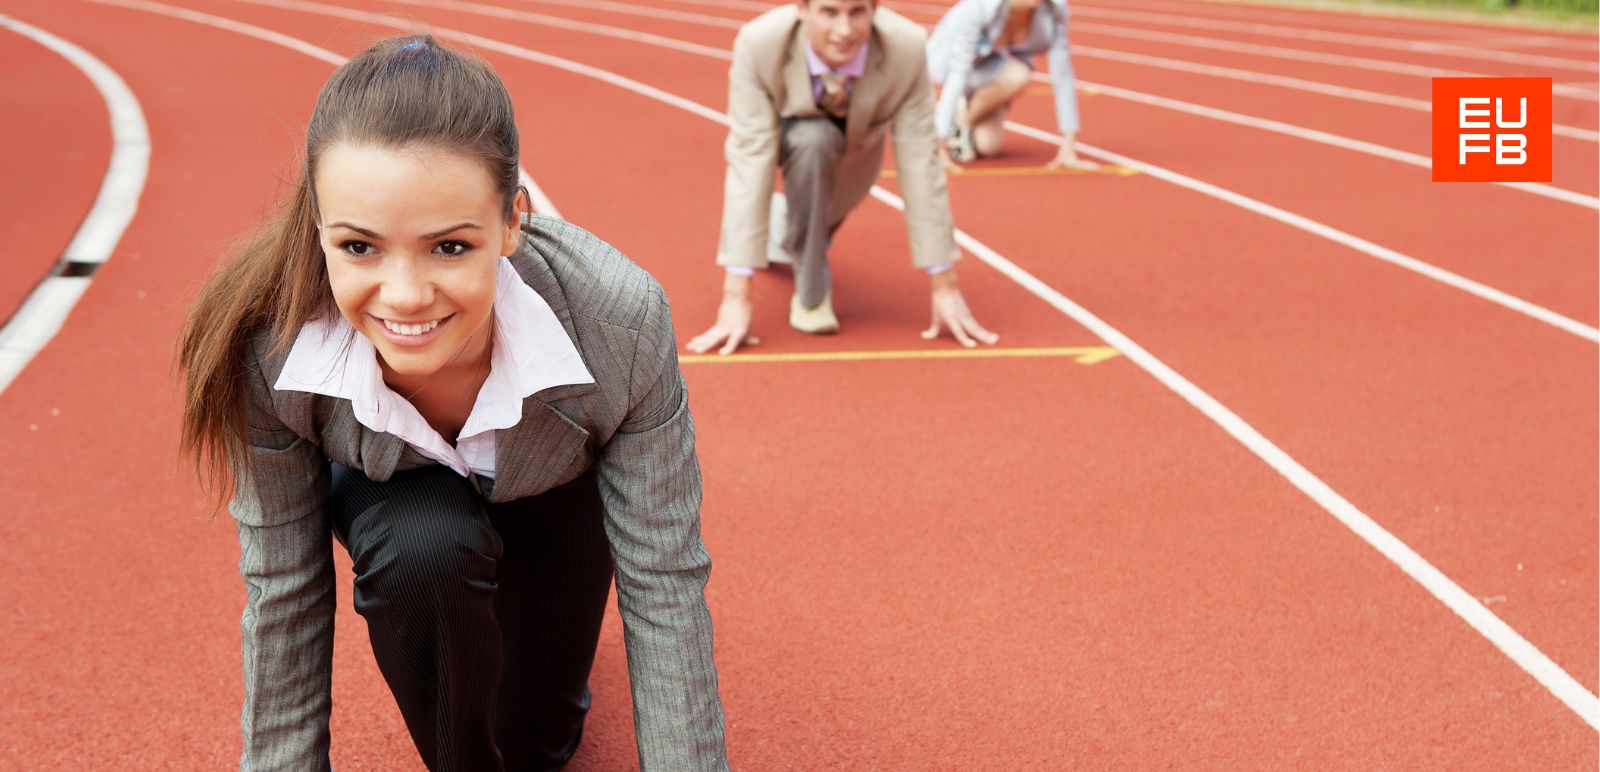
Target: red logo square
[1491,129]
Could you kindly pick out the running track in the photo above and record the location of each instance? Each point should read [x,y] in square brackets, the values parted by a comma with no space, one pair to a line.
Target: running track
[995,563]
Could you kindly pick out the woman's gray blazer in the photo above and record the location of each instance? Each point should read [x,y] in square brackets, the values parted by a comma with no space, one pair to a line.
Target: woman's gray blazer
[633,422]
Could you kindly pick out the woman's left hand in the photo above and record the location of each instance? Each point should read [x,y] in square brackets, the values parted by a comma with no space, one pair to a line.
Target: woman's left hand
[1067,158]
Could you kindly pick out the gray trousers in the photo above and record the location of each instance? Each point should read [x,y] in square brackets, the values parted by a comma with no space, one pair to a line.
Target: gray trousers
[810,154]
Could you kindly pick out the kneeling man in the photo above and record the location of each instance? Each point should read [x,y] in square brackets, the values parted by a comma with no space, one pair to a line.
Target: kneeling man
[815,89]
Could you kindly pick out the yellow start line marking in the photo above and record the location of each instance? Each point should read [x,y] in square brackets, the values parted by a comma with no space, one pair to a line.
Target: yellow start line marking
[1044,90]
[1025,171]
[1083,355]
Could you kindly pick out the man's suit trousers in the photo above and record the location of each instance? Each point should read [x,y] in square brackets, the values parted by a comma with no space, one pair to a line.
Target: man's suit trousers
[811,155]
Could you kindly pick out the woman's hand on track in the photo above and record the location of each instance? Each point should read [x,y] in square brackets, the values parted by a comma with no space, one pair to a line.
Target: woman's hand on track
[1067,158]
[950,165]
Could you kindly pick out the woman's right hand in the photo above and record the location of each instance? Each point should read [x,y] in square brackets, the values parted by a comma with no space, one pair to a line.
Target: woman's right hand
[950,164]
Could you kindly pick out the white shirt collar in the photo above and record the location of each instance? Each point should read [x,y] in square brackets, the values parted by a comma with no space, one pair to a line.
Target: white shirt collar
[531,352]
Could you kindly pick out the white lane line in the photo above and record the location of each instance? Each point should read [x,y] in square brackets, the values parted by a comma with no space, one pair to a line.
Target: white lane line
[1528,41]
[742,5]
[37,321]
[1197,68]
[44,311]
[1325,36]
[1503,299]
[562,22]
[1213,113]
[1534,662]
[1413,28]
[294,44]
[541,202]
[1322,137]
[1295,54]
[1281,215]
[1544,670]
[652,12]
[1296,84]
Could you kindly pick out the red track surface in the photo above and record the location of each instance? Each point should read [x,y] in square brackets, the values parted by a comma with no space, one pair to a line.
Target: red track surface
[930,564]
[54,155]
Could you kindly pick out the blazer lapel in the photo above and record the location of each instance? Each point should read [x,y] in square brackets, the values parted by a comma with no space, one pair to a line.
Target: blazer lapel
[378,452]
[867,93]
[800,99]
[533,455]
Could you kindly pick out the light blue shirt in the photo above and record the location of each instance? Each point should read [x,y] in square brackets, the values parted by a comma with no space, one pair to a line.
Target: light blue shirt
[969,32]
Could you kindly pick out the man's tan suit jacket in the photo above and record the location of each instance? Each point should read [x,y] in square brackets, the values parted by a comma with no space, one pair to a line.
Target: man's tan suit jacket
[770,82]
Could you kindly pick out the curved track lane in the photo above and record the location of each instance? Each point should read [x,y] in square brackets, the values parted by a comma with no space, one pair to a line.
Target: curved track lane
[1152,595]
[1459,228]
[1580,659]
[54,161]
[458,24]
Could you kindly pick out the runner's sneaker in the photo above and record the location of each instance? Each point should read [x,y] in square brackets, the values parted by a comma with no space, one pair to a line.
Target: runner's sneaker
[813,321]
[961,148]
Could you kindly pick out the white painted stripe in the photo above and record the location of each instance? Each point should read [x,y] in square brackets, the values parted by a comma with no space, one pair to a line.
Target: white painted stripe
[1394,19]
[118,198]
[493,45]
[1179,65]
[1265,124]
[561,22]
[1297,84]
[1513,645]
[1355,62]
[1362,245]
[1122,93]
[47,307]
[541,202]
[1385,254]
[1571,90]
[744,5]
[1528,41]
[1559,682]
[1321,137]
[36,322]
[929,8]
[650,12]
[294,44]
[1248,76]
[1326,36]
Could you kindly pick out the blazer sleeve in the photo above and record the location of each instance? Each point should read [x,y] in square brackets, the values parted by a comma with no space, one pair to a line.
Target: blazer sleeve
[752,155]
[922,180]
[286,560]
[959,39]
[650,487]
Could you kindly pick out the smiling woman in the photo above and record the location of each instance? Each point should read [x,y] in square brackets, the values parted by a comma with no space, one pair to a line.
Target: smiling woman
[413,238]
[483,406]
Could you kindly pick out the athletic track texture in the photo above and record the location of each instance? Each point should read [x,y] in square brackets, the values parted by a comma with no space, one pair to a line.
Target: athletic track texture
[1289,461]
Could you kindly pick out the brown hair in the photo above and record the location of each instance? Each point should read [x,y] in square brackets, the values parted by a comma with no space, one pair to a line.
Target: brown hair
[401,92]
